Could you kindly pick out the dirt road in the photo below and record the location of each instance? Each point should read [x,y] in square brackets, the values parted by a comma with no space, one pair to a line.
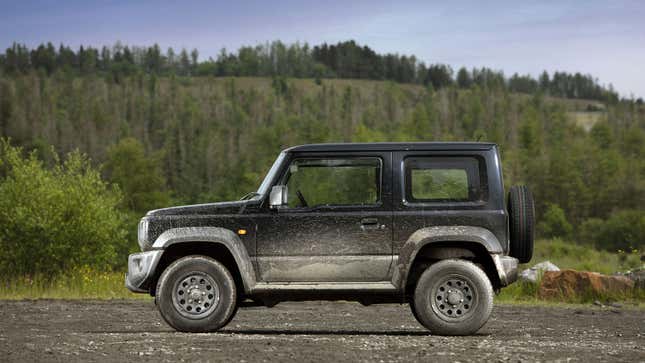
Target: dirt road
[133,330]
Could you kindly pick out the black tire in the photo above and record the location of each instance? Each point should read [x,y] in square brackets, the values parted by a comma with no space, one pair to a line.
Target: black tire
[453,297]
[521,212]
[414,311]
[206,281]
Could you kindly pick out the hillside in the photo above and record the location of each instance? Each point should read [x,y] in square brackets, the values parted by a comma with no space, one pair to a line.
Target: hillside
[343,60]
[214,138]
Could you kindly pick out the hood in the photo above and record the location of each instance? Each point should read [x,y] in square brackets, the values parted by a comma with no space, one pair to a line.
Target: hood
[195,209]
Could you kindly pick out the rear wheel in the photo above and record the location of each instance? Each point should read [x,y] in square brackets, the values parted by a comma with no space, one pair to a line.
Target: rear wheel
[196,294]
[453,297]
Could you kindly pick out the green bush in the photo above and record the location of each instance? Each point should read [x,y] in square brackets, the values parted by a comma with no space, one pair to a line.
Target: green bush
[622,231]
[138,175]
[57,219]
[554,223]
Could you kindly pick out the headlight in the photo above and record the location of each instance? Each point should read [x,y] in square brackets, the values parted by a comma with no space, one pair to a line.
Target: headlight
[143,234]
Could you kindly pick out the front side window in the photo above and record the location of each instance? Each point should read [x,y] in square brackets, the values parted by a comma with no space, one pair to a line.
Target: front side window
[333,182]
[443,179]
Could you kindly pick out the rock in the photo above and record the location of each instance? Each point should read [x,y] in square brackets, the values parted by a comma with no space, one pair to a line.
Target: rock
[638,276]
[572,283]
[532,274]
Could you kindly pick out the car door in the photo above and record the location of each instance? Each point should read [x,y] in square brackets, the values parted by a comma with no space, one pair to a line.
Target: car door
[336,225]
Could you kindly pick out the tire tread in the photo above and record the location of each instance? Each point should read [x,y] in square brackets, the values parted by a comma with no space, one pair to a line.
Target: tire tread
[521,223]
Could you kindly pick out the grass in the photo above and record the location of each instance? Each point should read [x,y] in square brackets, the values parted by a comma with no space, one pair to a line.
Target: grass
[567,255]
[85,283]
[527,293]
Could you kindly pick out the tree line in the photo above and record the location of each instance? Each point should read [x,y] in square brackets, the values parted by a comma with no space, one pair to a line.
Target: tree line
[168,139]
[345,60]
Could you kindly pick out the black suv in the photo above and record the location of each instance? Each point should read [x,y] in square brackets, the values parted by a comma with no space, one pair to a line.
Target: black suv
[421,223]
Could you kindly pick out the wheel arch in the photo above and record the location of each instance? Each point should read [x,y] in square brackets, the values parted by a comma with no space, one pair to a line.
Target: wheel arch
[431,244]
[220,244]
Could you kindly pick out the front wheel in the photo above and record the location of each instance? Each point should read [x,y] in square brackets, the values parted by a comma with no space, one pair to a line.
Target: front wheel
[196,294]
[453,297]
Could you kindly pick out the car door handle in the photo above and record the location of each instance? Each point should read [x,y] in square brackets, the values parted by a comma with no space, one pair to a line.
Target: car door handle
[371,223]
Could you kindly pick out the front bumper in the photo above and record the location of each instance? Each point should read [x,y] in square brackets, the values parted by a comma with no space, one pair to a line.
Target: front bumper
[507,267]
[141,268]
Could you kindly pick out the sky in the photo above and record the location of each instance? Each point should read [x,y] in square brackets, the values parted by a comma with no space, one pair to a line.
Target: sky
[603,38]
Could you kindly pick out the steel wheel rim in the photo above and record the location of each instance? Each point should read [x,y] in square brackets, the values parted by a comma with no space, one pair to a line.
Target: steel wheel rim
[195,295]
[453,298]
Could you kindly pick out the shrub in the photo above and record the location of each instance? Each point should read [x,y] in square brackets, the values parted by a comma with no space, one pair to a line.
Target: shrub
[589,231]
[622,231]
[138,175]
[54,220]
[554,223]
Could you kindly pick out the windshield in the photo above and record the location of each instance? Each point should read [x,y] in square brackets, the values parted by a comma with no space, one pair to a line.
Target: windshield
[266,183]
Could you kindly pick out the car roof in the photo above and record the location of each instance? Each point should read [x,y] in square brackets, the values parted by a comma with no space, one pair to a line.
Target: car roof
[392,146]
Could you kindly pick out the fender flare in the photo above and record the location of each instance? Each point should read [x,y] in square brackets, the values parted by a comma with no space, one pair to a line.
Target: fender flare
[440,234]
[219,235]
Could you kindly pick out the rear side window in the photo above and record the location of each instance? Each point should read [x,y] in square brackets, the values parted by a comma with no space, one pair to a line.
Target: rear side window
[443,179]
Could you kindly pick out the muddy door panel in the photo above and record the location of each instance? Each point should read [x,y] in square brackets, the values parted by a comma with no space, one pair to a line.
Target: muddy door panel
[325,247]
[337,225]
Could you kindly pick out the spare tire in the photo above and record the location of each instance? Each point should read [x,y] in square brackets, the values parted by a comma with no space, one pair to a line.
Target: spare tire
[521,213]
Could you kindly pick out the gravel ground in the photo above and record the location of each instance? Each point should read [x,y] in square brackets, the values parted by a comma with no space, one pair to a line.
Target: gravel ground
[55,330]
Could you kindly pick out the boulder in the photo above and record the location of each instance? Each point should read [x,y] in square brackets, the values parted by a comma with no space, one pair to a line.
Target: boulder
[572,283]
[532,274]
[636,275]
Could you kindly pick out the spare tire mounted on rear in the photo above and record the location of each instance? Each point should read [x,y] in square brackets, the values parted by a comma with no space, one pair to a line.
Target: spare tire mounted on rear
[521,222]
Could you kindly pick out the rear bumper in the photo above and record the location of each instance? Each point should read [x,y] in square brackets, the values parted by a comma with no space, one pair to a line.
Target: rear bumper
[141,269]
[506,268]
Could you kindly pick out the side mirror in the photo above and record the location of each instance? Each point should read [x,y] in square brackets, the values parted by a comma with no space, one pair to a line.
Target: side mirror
[278,196]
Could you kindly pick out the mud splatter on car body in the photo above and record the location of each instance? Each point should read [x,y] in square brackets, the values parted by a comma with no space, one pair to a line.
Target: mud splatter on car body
[370,250]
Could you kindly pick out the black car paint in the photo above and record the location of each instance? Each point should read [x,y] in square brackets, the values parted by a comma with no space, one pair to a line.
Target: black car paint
[327,243]
[287,236]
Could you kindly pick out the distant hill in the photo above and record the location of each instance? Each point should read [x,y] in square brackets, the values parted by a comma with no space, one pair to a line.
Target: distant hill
[344,60]
[215,138]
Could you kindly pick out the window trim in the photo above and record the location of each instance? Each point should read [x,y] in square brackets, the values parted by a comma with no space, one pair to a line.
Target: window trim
[406,182]
[284,179]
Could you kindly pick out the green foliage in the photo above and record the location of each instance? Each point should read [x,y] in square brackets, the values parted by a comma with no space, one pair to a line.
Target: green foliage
[601,135]
[56,219]
[138,175]
[464,79]
[590,230]
[567,254]
[211,139]
[77,283]
[347,60]
[554,223]
[622,231]
[206,131]
[363,133]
